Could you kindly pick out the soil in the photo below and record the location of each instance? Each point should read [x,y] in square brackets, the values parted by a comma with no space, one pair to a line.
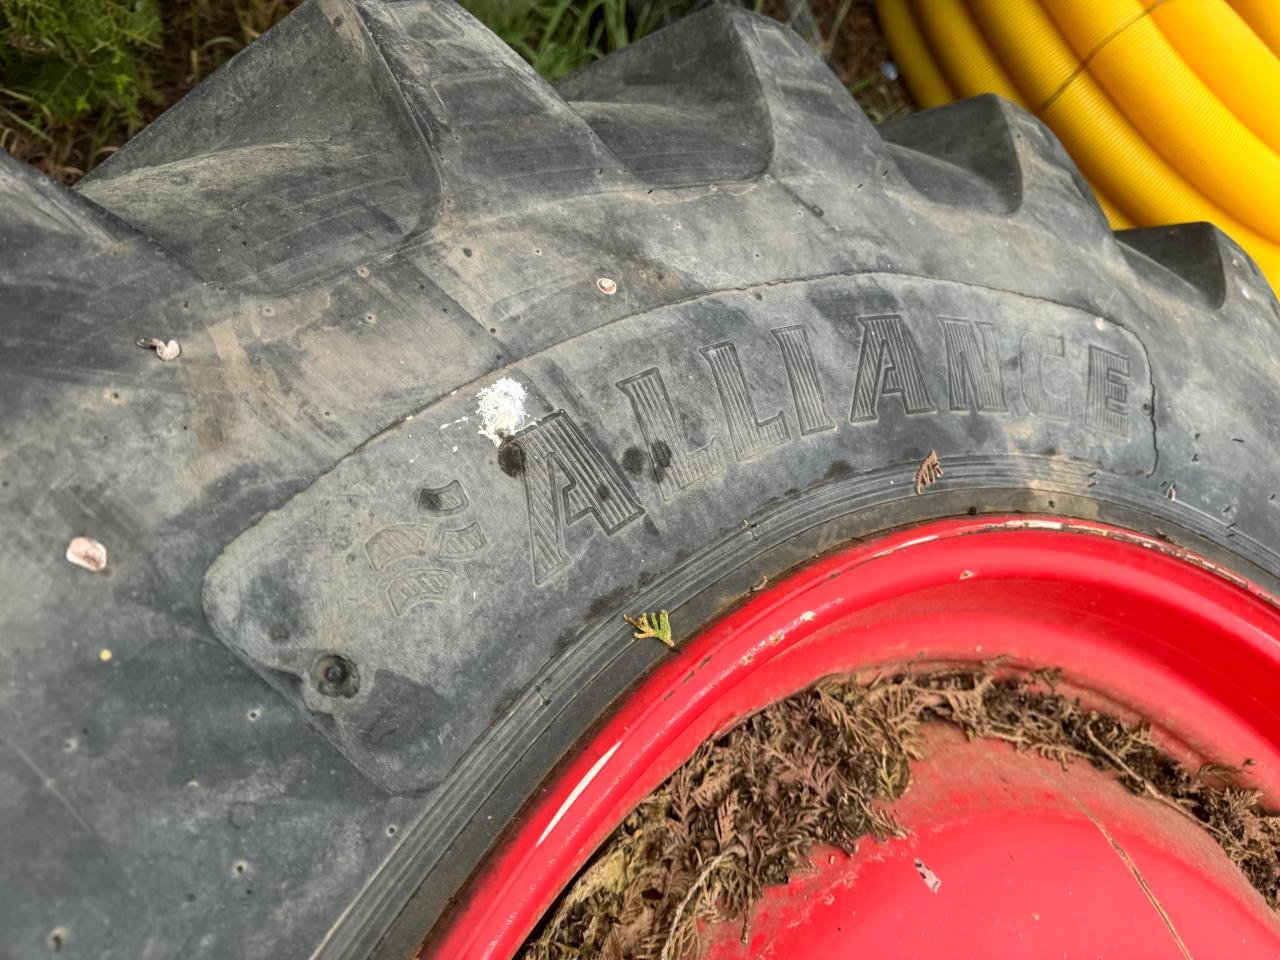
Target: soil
[824,766]
[848,34]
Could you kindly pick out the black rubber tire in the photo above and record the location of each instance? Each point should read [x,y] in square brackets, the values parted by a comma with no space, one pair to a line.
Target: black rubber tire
[342,634]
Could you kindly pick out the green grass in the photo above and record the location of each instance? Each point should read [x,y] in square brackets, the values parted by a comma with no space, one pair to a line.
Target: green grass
[79,77]
[560,36]
[69,62]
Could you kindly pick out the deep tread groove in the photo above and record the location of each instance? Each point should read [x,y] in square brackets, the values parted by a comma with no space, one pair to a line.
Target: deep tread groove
[943,151]
[677,116]
[1189,254]
[673,115]
[495,127]
[270,185]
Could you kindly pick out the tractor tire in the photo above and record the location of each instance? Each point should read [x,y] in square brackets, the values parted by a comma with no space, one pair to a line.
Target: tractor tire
[296,622]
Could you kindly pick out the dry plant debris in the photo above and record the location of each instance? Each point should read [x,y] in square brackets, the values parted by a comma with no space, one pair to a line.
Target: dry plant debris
[928,472]
[652,625]
[823,766]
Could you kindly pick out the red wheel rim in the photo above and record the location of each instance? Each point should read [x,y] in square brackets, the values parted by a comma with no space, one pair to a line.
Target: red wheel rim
[1131,620]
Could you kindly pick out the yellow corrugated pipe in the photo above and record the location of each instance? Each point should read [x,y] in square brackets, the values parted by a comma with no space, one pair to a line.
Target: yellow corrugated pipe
[1173,108]
[926,82]
[1166,107]
[1115,217]
[958,47]
[1111,153]
[1263,17]
[1230,58]
[953,39]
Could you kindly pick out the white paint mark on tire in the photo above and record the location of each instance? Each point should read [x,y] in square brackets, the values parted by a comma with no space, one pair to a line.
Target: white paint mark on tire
[501,409]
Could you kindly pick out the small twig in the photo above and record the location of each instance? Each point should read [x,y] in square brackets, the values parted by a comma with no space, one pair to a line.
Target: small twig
[1147,786]
[735,851]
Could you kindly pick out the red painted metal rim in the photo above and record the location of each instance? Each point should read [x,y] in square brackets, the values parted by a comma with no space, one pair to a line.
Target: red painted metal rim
[1131,620]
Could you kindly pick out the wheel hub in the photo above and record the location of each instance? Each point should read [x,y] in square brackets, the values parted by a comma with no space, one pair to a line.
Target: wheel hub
[1005,850]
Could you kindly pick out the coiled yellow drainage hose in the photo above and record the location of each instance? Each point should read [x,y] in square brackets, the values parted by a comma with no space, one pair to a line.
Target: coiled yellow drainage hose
[1171,108]
[1263,16]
